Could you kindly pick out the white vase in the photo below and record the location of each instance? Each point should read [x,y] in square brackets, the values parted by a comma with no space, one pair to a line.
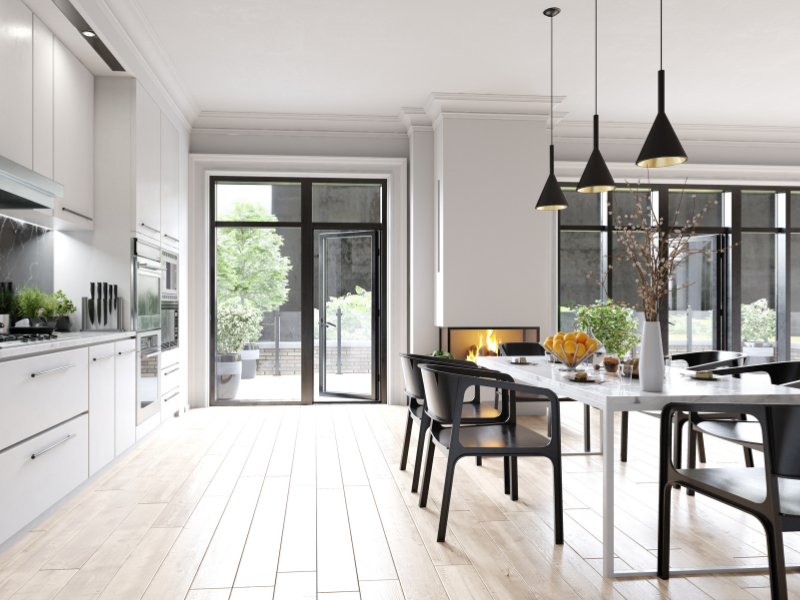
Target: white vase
[651,362]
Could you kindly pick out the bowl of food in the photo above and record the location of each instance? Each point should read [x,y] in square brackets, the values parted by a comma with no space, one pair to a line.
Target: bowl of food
[572,349]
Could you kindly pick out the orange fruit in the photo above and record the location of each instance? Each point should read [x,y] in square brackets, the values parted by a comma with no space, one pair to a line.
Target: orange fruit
[571,358]
[580,350]
[581,338]
[570,336]
[591,345]
[569,346]
[561,333]
[549,340]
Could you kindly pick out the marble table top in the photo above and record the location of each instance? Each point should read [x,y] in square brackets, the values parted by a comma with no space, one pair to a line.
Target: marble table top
[65,341]
[612,394]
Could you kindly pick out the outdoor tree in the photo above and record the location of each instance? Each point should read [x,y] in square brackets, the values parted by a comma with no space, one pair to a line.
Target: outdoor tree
[249,262]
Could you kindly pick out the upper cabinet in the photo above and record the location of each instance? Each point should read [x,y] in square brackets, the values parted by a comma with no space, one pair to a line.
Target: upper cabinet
[16,95]
[42,99]
[147,150]
[73,137]
[170,182]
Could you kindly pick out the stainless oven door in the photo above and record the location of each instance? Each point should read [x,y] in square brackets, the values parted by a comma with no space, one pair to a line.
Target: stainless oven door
[169,326]
[147,290]
[148,368]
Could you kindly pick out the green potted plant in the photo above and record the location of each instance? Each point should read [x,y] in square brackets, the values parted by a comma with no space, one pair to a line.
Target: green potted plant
[758,330]
[615,326]
[237,323]
[6,308]
[33,304]
[63,309]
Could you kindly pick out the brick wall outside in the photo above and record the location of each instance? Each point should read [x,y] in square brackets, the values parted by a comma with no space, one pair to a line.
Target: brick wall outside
[355,359]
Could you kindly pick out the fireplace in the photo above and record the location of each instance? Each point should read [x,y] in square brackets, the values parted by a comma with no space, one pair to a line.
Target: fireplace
[467,343]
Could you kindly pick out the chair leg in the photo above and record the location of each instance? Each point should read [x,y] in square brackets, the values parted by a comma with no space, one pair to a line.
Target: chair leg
[623,452]
[406,442]
[430,447]
[777,563]
[424,425]
[478,461]
[587,428]
[701,447]
[677,442]
[748,453]
[514,480]
[692,452]
[444,507]
[506,475]
[664,516]
[549,424]
[558,501]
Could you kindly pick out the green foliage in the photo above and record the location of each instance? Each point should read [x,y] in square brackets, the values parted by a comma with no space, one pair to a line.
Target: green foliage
[64,305]
[356,315]
[758,321]
[6,301]
[237,323]
[249,262]
[440,354]
[613,325]
[32,302]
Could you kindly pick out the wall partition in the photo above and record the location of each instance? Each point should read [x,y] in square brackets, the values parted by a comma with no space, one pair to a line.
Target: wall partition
[743,299]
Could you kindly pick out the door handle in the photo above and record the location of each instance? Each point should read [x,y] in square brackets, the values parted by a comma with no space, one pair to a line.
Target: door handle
[151,228]
[50,447]
[104,357]
[49,371]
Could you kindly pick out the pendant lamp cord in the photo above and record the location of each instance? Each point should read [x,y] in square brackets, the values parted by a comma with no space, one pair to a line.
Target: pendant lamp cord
[551,81]
[661,36]
[595,56]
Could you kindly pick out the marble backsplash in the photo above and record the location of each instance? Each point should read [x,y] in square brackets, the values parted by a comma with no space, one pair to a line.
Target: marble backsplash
[26,255]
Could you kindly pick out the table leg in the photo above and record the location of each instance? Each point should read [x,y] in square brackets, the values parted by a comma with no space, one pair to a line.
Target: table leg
[608,492]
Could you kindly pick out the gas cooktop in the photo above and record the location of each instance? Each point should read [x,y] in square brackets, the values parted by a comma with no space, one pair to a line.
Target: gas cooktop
[25,338]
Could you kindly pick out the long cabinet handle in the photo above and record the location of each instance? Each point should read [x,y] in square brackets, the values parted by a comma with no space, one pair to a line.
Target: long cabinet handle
[148,268]
[151,228]
[77,214]
[103,357]
[176,369]
[49,371]
[166,235]
[127,351]
[50,447]
[171,397]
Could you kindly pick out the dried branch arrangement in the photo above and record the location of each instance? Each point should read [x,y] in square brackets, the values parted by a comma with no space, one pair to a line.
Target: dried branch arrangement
[655,250]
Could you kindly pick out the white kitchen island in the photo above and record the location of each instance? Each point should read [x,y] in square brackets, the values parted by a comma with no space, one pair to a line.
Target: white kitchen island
[611,396]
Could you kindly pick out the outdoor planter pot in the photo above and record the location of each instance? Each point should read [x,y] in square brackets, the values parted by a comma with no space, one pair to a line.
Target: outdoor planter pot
[249,360]
[758,352]
[229,375]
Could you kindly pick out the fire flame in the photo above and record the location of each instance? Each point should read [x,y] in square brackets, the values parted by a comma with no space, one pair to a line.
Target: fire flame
[492,345]
[492,342]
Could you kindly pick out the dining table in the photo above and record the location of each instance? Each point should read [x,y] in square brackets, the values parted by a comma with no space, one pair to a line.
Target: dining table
[612,394]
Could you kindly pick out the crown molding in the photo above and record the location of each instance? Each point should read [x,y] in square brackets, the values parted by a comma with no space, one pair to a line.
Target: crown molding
[691,173]
[490,106]
[297,133]
[283,123]
[414,119]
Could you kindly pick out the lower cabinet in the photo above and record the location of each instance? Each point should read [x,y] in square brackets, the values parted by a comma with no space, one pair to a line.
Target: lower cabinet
[101,406]
[40,471]
[125,395]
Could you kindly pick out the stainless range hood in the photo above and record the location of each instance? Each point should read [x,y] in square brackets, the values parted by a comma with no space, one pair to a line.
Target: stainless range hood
[21,188]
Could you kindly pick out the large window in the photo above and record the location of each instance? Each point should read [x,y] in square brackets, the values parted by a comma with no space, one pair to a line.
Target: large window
[743,299]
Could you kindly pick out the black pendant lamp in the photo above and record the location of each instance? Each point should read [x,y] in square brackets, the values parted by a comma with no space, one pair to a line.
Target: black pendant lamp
[596,176]
[662,148]
[551,198]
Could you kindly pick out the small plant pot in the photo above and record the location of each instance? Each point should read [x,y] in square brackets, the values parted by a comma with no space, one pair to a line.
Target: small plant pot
[63,323]
[610,363]
[249,361]
[229,376]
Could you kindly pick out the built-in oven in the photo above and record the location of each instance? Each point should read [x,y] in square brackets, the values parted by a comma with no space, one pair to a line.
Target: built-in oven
[169,326]
[146,285]
[169,299]
[148,368]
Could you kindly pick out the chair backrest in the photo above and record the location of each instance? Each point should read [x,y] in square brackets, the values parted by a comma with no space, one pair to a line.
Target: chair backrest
[779,372]
[711,359]
[412,376]
[521,349]
[783,425]
[441,386]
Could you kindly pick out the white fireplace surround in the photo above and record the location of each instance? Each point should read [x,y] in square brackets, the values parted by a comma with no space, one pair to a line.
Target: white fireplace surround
[203,166]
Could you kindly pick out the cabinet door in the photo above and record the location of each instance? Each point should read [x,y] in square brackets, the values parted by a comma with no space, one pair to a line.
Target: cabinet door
[170,207]
[148,165]
[16,98]
[125,395]
[42,99]
[73,137]
[101,406]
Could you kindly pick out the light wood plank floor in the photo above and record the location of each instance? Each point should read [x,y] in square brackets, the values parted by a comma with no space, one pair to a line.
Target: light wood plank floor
[243,503]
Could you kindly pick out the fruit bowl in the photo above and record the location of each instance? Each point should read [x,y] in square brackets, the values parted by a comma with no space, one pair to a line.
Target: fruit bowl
[572,349]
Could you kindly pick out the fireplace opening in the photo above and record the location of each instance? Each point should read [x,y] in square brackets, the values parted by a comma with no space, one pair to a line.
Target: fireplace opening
[468,343]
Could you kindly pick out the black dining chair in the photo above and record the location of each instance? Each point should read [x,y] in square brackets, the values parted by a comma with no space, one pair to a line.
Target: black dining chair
[445,388]
[771,494]
[697,361]
[536,349]
[474,411]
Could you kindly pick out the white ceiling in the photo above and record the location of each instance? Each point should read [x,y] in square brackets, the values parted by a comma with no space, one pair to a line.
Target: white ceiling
[728,62]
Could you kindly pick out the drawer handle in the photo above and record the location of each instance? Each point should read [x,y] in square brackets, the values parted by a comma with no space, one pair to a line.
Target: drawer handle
[150,228]
[166,235]
[127,351]
[176,369]
[77,214]
[104,357]
[58,443]
[171,397]
[49,371]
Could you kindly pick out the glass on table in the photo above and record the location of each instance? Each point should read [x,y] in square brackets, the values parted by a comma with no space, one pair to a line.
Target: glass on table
[625,373]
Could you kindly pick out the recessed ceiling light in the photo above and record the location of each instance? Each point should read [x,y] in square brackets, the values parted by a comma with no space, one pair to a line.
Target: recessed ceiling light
[88,33]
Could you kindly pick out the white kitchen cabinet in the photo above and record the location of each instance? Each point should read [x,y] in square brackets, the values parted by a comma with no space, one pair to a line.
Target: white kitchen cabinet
[147,149]
[73,137]
[125,395]
[170,184]
[16,97]
[43,42]
[101,406]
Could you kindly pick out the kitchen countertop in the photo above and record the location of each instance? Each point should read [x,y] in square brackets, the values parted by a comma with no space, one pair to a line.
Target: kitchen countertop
[65,341]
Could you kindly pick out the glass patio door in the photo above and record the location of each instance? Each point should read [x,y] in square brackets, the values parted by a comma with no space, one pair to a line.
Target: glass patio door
[348,315]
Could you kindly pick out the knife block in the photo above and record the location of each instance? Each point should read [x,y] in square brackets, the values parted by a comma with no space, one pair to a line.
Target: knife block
[114,316]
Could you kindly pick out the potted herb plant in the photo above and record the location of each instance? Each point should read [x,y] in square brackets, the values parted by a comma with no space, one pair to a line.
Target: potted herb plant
[758,331]
[237,323]
[615,326]
[63,309]
[32,304]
